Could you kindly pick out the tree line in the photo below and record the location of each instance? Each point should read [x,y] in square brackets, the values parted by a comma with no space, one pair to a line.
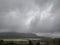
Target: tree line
[53,42]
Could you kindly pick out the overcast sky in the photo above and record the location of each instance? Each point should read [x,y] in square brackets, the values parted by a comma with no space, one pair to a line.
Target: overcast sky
[30,16]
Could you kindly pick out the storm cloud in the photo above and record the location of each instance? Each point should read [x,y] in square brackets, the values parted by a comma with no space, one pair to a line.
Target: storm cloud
[30,16]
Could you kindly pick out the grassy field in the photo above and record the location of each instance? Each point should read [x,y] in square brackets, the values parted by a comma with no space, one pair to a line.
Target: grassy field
[31,42]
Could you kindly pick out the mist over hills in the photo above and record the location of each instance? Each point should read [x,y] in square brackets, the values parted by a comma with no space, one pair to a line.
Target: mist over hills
[15,35]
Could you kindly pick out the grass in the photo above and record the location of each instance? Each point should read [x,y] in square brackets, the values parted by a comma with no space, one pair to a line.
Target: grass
[50,42]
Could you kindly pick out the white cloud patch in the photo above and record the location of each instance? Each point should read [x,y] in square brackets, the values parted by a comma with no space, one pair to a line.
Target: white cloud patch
[53,35]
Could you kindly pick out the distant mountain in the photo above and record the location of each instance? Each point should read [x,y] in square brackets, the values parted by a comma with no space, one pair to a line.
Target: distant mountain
[15,35]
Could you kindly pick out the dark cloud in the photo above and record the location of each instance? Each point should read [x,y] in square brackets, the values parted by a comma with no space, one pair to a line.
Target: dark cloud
[33,16]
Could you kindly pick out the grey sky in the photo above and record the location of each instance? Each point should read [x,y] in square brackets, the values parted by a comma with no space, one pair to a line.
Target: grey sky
[33,16]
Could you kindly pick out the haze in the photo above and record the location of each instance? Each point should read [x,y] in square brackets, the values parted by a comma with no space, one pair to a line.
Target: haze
[41,17]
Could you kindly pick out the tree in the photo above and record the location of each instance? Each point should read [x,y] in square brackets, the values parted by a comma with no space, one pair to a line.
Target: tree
[38,43]
[58,42]
[30,42]
[1,42]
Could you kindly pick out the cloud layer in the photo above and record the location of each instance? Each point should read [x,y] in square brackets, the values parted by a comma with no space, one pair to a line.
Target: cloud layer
[30,16]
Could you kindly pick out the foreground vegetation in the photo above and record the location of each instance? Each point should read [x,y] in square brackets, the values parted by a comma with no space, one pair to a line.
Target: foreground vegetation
[31,42]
